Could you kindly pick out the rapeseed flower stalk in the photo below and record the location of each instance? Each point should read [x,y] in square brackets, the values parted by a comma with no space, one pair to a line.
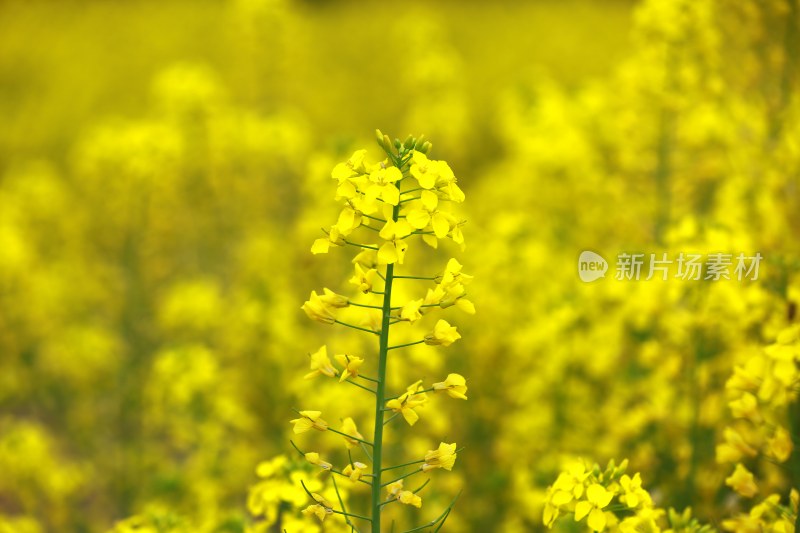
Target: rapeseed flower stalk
[406,195]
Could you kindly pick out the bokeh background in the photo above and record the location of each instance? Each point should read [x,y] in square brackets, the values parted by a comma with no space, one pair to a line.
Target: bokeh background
[165,167]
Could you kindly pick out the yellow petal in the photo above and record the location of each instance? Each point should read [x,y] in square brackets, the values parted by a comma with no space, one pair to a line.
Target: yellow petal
[418,218]
[431,241]
[411,416]
[582,508]
[597,520]
[390,194]
[440,225]
[387,254]
[429,199]
[320,246]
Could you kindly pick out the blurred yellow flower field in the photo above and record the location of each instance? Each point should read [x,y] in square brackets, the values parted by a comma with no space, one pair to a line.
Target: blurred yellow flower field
[590,264]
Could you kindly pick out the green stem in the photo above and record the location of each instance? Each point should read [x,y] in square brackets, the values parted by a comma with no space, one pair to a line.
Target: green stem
[404,464]
[344,509]
[409,474]
[356,327]
[360,386]
[380,392]
[368,306]
[357,245]
[410,199]
[349,436]
[390,418]
[404,345]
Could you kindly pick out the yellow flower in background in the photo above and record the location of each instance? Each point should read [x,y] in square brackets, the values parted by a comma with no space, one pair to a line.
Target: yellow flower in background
[597,498]
[443,457]
[407,403]
[633,495]
[364,279]
[321,364]
[780,445]
[349,219]
[314,459]
[350,429]
[409,498]
[309,420]
[734,447]
[316,309]
[443,334]
[355,471]
[383,185]
[351,364]
[742,481]
[745,406]
[411,311]
[331,299]
[351,168]
[455,386]
[322,509]
[323,245]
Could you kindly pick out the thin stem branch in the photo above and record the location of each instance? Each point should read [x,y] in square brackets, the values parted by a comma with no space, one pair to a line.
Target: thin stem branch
[341,504]
[368,306]
[366,246]
[350,436]
[360,386]
[390,418]
[357,327]
[409,474]
[410,199]
[402,465]
[404,345]
[366,451]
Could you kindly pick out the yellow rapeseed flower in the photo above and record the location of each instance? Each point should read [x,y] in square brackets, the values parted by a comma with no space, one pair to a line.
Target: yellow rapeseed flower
[742,481]
[321,364]
[455,386]
[443,334]
[597,498]
[351,364]
[309,420]
[442,457]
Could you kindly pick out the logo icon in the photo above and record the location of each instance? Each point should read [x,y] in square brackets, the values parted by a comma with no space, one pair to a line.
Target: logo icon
[591,266]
